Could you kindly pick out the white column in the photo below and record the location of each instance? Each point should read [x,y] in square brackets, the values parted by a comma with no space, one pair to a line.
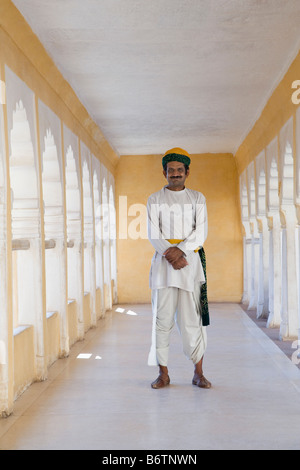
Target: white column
[263,277]
[275,272]
[289,327]
[289,312]
[6,320]
[254,267]
[247,250]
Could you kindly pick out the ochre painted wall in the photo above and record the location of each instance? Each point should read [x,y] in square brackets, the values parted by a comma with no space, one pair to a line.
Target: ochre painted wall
[215,175]
[279,108]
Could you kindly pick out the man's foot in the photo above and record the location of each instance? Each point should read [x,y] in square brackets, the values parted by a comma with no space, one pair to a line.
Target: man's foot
[163,379]
[199,378]
[201,381]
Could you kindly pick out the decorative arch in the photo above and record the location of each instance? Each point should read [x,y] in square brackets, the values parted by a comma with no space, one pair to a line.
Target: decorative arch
[87,204]
[52,188]
[252,197]
[288,175]
[23,178]
[74,240]
[261,193]
[244,202]
[100,306]
[72,197]
[273,205]
[55,267]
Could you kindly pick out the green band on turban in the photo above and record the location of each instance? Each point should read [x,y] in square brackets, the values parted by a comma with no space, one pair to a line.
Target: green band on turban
[176,157]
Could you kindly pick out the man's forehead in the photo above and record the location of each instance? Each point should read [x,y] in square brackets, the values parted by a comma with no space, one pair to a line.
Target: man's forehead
[175,164]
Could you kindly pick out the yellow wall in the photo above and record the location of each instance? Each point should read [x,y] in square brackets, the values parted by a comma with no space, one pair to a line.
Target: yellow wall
[214,175]
[275,114]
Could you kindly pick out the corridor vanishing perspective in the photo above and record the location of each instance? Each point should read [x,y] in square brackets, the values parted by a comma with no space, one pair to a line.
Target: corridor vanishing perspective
[92,95]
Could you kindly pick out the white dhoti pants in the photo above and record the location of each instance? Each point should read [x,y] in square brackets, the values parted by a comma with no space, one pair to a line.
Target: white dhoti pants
[170,304]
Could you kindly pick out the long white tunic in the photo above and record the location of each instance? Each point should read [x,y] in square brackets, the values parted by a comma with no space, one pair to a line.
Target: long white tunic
[180,215]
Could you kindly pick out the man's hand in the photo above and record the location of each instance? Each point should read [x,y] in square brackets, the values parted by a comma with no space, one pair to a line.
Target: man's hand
[180,263]
[175,257]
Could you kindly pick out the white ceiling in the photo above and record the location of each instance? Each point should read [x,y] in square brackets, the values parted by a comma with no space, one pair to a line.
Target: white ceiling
[156,74]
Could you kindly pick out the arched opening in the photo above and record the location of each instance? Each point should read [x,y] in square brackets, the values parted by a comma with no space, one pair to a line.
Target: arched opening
[261,200]
[87,226]
[288,176]
[27,256]
[25,218]
[244,203]
[106,246]
[263,235]
[53,216]
[54,244]
[252,198]
[74,248]
[246,242]
[89,249]
[273,187]
[98,248]
[113,247]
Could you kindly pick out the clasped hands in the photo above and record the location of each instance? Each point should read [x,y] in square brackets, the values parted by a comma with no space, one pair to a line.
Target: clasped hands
[175,257]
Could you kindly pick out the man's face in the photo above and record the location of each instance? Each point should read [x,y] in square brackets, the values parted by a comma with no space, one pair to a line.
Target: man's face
[176,175]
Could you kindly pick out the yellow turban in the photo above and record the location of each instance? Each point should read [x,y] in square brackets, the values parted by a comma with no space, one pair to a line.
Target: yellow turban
[176,155]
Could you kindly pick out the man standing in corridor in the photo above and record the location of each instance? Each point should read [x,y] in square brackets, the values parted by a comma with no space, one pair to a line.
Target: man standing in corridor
[177,229]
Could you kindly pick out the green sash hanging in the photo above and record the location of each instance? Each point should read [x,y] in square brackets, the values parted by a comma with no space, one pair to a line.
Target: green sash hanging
[203,295]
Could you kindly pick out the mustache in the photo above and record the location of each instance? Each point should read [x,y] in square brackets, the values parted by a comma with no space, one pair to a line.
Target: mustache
[176,177]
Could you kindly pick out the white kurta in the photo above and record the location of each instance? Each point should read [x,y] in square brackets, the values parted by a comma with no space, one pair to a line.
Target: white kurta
[180,215]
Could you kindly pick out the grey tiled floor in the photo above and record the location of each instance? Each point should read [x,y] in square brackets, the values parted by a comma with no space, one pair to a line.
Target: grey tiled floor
[104,401]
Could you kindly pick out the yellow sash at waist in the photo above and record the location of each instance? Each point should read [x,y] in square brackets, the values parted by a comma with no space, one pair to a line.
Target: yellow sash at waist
[174,241]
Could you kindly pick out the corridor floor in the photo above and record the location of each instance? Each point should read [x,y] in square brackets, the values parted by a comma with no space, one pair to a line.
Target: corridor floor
[100,397]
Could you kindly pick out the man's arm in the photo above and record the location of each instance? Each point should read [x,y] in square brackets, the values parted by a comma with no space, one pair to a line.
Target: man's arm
[154,233]
[173,255]
[198,235]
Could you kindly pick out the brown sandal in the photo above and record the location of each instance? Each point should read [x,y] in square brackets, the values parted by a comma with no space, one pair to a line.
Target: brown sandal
[161,381]
[201,381]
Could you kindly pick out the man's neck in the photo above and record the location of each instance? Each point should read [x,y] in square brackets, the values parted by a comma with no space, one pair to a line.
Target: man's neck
[176,189]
